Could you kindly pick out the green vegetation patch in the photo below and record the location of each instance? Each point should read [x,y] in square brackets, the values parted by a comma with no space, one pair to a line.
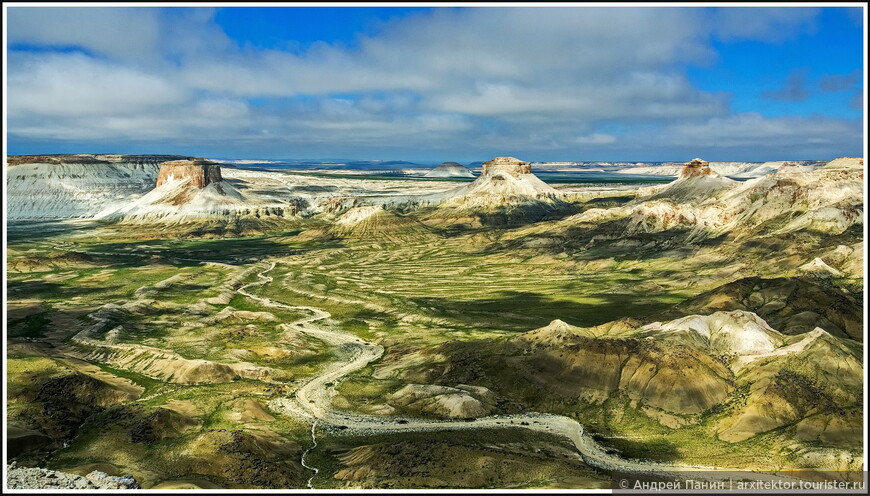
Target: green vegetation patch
[31,326]
[491,458]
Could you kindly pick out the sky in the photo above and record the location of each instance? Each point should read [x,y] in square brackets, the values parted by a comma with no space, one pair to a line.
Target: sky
[433,84]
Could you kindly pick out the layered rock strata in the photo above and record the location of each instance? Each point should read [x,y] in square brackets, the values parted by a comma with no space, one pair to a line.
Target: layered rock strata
[508,165]
[696,168]
[201,172]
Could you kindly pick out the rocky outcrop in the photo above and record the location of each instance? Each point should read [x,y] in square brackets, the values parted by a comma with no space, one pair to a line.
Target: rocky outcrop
[845,163]
[462,401]
[696,168]
[508,165]
[201,172]
[40,478]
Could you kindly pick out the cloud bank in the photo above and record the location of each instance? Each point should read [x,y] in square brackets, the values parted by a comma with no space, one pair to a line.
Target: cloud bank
[570,83]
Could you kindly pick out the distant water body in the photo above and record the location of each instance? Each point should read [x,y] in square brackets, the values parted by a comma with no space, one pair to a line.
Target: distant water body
[561,177]
[410,171]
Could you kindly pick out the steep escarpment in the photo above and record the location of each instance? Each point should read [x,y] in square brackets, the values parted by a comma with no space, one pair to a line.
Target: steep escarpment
[141,189]
[201,172]
[50,187]
[89,158]
[695,168]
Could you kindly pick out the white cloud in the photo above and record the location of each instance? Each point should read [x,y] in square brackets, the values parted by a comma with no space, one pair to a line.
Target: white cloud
[752,136]
[114,31]
[752,127]
[449,49]
[472,79]
[55,85]
[144,35]
[633,96]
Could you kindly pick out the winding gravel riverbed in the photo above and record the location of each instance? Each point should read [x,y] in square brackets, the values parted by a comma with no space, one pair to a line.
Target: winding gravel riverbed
[313,400]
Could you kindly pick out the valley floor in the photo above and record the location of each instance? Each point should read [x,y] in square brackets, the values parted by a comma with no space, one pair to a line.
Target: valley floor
[453,357]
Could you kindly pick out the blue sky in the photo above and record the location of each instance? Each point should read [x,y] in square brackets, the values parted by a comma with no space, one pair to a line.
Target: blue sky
[435,84]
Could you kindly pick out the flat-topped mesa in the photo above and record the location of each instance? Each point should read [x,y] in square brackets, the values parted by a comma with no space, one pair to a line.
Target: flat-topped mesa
[696,168]
[140,159]
[504,180]
[89,159]
[509,165]
[845,163]
[79,158]
[201,171]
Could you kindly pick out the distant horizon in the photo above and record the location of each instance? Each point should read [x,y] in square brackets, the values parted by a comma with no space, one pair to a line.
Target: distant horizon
[424,161]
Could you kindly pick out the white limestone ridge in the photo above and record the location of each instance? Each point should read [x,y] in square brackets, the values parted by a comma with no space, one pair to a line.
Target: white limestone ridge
[817,267]
[746,338]
[742,170]
[738,332]
[449,169]
[358,215]
[828,199]
[49,187]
